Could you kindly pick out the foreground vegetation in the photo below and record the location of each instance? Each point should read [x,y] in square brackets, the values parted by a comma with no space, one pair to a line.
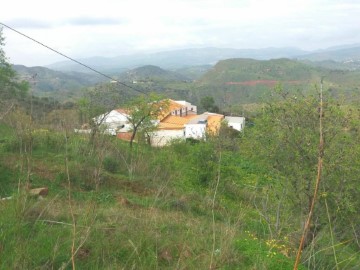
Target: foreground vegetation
[153,208]
[237,201]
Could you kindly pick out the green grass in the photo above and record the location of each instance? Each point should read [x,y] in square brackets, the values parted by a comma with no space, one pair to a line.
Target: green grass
[159,217]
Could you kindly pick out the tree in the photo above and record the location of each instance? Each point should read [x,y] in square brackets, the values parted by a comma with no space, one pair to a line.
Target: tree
[96,104]
[144,110]
[285,141]
[208,103]
[11,88]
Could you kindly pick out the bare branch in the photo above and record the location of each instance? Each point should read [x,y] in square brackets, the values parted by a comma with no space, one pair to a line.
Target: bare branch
[6,111]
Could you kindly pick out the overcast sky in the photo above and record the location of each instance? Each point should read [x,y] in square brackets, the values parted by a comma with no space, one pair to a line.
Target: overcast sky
[115,27]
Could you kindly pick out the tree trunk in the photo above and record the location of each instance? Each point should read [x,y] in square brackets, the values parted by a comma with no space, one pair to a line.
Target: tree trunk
[133,136]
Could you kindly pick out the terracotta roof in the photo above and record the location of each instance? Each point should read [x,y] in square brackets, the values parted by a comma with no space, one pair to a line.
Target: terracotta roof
[122,111]
[172,105]
[175,122]
[189,116]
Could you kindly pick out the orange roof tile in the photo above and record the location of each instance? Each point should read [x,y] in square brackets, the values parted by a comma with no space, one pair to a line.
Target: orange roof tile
[123,111]
[172,105]
[189,116]
[174,122]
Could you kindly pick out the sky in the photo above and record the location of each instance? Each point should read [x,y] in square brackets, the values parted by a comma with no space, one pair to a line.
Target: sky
[82,29]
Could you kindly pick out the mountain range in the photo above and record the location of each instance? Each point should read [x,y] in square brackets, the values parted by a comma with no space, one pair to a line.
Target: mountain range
[178,59]
[243,79]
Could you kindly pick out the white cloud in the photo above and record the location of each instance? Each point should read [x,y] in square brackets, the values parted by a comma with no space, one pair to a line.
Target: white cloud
[114,27]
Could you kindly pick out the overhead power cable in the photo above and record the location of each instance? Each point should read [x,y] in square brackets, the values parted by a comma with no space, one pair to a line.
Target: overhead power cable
[72,59]
[76,61]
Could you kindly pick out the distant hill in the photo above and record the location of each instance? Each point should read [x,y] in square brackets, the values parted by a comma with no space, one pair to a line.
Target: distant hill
[150,73]
[193,72]
[230,81]
[331,64]
[61,85]
[175,59]
[235,81]
[239,70]
[338,54]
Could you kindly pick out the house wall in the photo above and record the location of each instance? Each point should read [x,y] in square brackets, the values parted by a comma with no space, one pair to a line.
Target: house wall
[237,123]
[236,126]
[164,137]
[187,109]
[195,131]
[126,136]
[192,109]
[112,120]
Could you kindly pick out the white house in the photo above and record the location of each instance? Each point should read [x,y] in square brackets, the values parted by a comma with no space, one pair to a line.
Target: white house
[199,126]
[169,129]
[165,137]
[191,126]
[114,121]
[237,123]
[187,108]
[196,127]
[178,121]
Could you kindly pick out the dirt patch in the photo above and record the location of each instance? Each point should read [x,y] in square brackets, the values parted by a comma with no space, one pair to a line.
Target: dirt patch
[137,187]
[261,82]
[83,253]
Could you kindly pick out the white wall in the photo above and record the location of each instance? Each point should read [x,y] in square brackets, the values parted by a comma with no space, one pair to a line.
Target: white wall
[195,131]
[237,123]
[190,109]
[113,121]
[164,137]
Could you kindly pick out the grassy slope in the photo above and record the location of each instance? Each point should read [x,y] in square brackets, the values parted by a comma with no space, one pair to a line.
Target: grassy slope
[187,206]
[159,216]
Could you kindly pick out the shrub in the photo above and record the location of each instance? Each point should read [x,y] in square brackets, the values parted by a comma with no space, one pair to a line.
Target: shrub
[111,164]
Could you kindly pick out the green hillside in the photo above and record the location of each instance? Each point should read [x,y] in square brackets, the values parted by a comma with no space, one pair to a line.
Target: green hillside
[241,81]
[49,83]
[240,70]
[231,82]
[151,73]
[194,72]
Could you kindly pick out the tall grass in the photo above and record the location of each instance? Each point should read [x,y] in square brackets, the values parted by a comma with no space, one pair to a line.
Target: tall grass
[157,211]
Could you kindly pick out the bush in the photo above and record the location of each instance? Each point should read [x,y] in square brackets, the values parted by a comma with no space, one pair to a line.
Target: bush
[111,164]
